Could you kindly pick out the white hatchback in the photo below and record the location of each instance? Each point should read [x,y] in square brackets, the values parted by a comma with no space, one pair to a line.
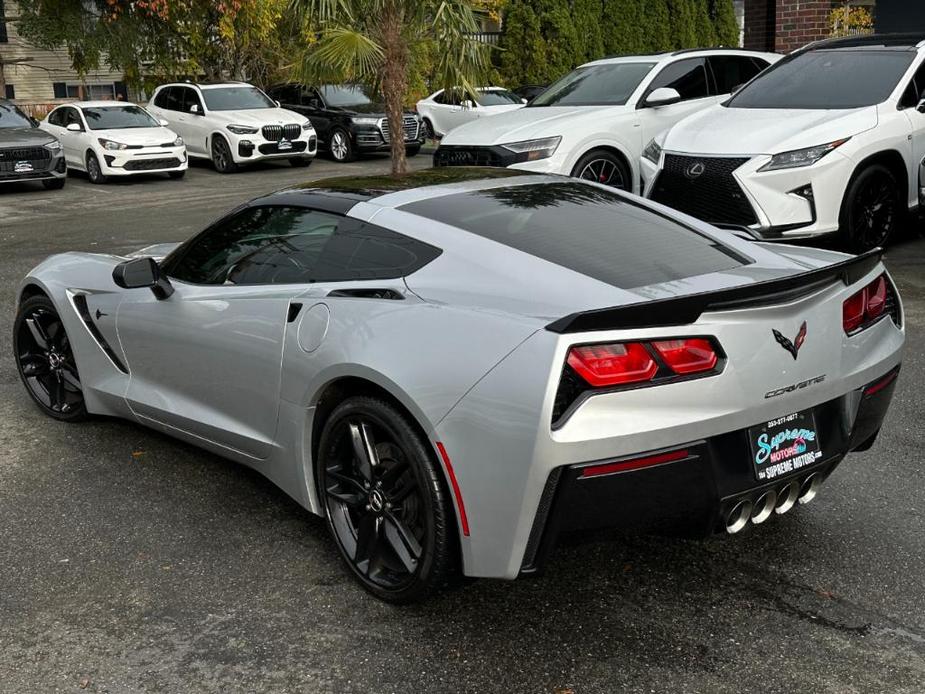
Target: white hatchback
[594,122]
[233,123]
[444,110]
[112,138]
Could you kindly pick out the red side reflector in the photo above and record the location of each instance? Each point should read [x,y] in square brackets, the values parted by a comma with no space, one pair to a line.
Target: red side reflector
[687,356]
[463,520]
[882,383]
[635,464]
[612,365]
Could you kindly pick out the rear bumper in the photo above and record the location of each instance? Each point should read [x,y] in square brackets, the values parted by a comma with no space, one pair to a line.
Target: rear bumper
[693,493]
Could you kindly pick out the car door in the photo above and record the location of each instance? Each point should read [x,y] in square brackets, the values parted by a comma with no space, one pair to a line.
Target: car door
[194,121]
[461,108]
[691,80]
[913,95]
[207,360]
[313,107]
[73,142]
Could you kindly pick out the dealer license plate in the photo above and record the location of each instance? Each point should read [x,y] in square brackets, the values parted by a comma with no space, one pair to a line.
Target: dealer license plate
[285,144]
[23,167]
[784,445]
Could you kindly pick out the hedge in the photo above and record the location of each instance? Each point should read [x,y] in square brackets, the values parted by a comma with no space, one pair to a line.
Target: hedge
[544,39]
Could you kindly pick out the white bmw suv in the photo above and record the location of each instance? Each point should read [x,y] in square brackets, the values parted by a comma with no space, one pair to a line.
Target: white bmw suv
[594,122]
[234,123]
[830,139]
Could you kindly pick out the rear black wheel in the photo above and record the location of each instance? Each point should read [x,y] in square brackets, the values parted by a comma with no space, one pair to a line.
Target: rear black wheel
[46,362]
[603,166]
[53,183]
[385,501]
[428,130]
[872,209]
[221,156]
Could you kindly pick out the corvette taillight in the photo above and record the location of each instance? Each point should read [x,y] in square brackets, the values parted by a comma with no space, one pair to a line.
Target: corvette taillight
[624,363]
[688,356]
[864,308]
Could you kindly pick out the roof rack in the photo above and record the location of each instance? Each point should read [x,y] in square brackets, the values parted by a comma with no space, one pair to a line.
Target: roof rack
[682,51]
[909,40]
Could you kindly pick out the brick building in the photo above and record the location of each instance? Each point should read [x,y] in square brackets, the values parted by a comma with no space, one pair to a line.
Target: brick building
[785,25]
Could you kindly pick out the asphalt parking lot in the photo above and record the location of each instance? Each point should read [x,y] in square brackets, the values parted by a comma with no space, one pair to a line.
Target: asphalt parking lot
[131,562]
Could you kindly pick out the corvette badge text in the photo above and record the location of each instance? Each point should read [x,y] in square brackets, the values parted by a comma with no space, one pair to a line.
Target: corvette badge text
[795,386]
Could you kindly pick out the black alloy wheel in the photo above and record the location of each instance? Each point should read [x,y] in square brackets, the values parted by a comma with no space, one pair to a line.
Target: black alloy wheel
[46,362]
[872,209]
[341,147]
[603,166]
[94,171]
[385,501]
[221,156]
[427,129]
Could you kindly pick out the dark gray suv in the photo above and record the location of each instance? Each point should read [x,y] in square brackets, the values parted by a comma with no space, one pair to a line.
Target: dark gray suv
[27,153]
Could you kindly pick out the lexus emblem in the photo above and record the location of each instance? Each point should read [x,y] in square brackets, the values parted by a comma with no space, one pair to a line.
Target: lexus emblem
[792,347]
[695,170]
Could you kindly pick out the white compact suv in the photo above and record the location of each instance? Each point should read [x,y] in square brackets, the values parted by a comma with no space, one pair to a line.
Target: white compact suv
[830,139]
[234,123]
[113,138]
[594,122]
[445,110]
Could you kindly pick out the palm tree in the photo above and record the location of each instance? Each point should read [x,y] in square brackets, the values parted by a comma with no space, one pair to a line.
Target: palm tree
[376,41]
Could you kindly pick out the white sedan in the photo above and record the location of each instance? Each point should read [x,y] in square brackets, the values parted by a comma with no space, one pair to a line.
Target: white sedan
[111,138]
[444,110]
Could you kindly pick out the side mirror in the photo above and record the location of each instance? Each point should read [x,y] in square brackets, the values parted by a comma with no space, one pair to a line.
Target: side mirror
[663,96]
[920,107]
[194,108]
[74,127]
[278,105]
[163,123]
[467,103]
[523,101]
[142,272]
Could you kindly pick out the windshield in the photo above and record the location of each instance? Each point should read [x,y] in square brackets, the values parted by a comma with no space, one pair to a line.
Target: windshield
[118,117]
[346,95]
[497,97]
[610,84]
[236,98]
[12,117]
[826,79]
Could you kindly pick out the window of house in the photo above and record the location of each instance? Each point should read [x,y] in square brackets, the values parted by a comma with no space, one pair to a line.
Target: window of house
[91,92]
[10,92]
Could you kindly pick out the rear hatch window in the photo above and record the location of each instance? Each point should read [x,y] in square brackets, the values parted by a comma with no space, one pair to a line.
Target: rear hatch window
[590,230]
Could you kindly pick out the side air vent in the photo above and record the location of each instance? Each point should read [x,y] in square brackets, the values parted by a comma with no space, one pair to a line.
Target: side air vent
[368,293]
[80,303]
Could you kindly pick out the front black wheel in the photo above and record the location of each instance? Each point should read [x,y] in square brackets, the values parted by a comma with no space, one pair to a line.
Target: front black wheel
[385,501]
[46,362]
[53,183]
[94,171]
[221,156]
[603,166]
[871,210]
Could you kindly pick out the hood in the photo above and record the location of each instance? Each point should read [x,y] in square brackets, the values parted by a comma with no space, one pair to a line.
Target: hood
[24,137]
[257,117]
[525,124]
[146,137]
[751,131]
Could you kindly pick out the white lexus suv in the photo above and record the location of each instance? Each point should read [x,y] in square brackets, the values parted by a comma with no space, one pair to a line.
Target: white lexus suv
[594,122]
[234,123]
[830,139]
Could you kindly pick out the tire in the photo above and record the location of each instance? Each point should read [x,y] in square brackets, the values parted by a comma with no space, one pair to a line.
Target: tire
[300,162]
[45,360]
[53,183]
[401,495]
[871,210]
[429,132]
[412,151]
[222,159]
[603,166]
[176,175]
[94,172]
[341,147]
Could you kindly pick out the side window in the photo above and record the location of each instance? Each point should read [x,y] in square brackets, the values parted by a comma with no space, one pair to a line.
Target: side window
[915,90]
[440,98]
[190,97]
[71,116]
[732,71]
[286,94]
[287,245]
[55,117]
[688,77]
[162,98]
[175,98]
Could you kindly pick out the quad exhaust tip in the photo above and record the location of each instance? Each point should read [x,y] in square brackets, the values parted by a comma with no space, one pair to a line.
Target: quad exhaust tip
[810,488]
[764,507]
[772,501]
[787,497]
[739,516]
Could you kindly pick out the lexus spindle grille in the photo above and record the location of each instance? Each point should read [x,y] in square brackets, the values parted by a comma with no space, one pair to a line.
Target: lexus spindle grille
[704,187]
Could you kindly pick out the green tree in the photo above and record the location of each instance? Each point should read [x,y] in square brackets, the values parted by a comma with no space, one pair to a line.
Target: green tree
[656,26]
[683,31]
[705,33]
[377,42]
[586,18]
[622,24]
[725,23]
[523,48]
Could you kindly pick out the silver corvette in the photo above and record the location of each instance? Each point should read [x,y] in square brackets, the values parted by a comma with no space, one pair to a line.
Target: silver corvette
[456,367]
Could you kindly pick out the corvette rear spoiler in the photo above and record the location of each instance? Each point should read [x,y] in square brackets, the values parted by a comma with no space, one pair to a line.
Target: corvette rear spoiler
[683,310]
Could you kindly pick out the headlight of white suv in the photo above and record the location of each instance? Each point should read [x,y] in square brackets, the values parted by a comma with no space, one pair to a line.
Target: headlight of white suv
[534,149]
[242,129]
[307,125]
[111,144]
[799,158]
[54,145]
[653,152]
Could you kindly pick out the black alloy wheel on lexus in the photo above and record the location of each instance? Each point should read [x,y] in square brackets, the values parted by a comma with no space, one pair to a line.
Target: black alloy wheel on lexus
[872,209]
[385,501]
[45,360]
[603,166]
